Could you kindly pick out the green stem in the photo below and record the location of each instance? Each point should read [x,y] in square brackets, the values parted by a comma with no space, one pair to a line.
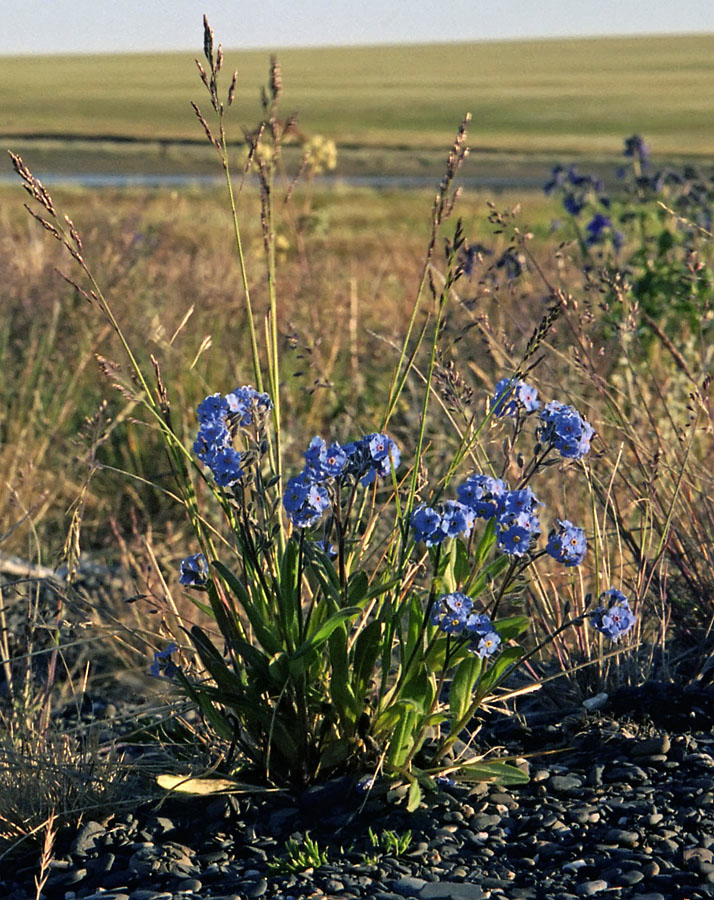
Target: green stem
[257,372]
[422,628]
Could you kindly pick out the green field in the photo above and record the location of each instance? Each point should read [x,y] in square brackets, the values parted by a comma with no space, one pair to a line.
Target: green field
[551,97]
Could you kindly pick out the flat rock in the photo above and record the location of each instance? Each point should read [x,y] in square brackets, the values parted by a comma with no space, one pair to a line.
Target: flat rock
[451,890]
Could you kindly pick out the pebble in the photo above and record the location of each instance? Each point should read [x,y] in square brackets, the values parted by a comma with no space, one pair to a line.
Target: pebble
[106,895]
[589,888]
[697,855]
[574,865]
[596,702]
[451,890]
[150,895]
[86,840]
[189,884]
[622,838]
[631,876]
[656,746]
[408,886]
[566,783]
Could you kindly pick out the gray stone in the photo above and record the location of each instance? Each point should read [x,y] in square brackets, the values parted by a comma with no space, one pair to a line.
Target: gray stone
[86,840]
[596,702]
[695,855]
[574,865]
[408,887]
[483,820]
[589,888]
[452,890]
[631,876]
[74,877]
[143,894]
[650,868]
[256,890]
[106,895]
[656,746]
[622,838]
[566,784]
[505,800]
[189,884]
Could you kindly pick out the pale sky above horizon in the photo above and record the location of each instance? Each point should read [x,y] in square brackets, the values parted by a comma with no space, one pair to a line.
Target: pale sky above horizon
[105,26]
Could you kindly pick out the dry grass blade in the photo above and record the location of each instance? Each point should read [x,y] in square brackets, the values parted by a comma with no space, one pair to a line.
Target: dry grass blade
[46,855]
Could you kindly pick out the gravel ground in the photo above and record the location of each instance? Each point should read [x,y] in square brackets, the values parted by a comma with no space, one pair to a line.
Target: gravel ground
[620,801]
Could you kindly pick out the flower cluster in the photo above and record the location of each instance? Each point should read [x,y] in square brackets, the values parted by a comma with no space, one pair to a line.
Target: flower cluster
[483,494]
[307,495]
[578,190]
[517,524]
[567,543]
[162,664]
[613,617]
[194,570]
[565,429]
[600,227]
[483,497]
[449,519]
[560,426]
[453,614]
[219,416]
[511,397]
[636,148]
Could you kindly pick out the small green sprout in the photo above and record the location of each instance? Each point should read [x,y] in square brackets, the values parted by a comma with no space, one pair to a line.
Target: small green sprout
[388,843]
[300,855]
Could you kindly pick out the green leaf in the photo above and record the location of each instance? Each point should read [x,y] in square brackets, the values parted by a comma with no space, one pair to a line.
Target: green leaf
[485,545]
[378,589]
[357,587]
[215,719]
[287,590]
[225,679]
[434,719]
[402,738]
[226,622]
[512,627]
[334,753]
[498,669]
[346,703]
[462,686]
[500,772]
[417,688]
[321,634]
[279,667]
[462,563]
[416,618]
[255,660]
[414,796]
[263,627]
[366,651]
[385,721]
[482,577]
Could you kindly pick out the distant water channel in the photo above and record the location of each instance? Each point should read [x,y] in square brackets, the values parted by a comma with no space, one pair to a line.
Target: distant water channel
[176,181]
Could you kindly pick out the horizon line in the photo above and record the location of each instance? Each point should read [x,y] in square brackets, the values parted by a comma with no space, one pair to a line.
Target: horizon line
[266,48]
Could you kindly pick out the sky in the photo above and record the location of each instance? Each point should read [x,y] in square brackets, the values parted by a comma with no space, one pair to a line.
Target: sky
[99,26]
